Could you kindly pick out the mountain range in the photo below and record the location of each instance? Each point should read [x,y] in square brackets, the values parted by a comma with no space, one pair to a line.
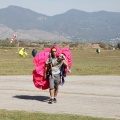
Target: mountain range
[73,25]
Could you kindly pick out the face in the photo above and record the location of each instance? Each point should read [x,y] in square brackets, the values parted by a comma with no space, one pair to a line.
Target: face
[53,52]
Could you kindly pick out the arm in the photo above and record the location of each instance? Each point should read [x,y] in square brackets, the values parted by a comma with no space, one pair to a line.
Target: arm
[65,63]
[46,68]
[45,71]
[62,58]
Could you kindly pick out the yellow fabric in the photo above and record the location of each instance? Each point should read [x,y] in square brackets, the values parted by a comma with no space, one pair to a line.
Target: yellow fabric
[22,52]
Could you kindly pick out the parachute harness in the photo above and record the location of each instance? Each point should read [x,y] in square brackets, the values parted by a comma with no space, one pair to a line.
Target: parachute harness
[51,67]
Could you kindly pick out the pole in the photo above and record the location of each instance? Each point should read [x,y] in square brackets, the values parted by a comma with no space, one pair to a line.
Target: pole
[18,45]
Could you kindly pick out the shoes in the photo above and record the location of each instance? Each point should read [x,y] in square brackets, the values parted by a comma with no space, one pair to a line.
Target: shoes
[50,101]
[55,100]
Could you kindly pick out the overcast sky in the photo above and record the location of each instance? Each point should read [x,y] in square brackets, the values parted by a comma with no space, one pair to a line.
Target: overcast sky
[53,7]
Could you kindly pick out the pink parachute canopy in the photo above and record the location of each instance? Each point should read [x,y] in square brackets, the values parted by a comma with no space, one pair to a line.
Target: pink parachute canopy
[39,62]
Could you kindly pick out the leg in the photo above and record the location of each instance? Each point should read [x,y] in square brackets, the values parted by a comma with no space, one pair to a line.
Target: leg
[55,93]
[56,84]
[51,91]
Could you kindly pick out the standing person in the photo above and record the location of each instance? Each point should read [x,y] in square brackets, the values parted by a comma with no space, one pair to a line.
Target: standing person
[34,52]
[98,50]
[53,66]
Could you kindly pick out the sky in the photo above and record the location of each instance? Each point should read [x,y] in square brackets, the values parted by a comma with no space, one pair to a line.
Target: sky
[53,7]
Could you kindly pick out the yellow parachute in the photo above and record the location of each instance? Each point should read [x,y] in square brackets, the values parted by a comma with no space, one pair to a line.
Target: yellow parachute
[22,52]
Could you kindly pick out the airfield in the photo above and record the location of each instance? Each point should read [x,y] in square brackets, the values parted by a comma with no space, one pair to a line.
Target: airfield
[97,96]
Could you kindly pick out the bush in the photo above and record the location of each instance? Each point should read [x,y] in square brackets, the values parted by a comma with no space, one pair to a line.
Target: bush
[102,45]
[118,45]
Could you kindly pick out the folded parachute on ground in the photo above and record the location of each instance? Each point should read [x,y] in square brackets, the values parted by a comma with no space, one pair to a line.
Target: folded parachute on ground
[39,62]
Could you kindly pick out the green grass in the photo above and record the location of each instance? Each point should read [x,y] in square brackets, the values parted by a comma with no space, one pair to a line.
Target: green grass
[12,64]
[22,115]
[88,62]
[85,62]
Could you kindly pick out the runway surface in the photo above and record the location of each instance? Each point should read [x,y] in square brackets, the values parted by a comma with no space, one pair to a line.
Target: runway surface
[97,96]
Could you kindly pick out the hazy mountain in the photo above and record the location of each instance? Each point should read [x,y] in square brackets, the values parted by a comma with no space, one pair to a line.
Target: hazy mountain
[74,24]
[29,35]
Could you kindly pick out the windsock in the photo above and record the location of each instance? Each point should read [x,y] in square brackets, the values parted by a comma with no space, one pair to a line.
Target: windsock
[14,36]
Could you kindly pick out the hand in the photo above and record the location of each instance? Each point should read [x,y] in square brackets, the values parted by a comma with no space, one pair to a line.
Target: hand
[60,59]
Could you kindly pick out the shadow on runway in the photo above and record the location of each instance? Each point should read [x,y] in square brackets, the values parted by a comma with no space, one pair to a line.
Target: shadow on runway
[28,97]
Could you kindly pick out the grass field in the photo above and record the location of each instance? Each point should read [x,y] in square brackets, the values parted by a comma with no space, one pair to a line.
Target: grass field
[88,62]
[85,62]
[22,115]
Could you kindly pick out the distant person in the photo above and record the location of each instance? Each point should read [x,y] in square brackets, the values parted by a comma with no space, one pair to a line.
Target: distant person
[22,52]
[98,51]
[34,52]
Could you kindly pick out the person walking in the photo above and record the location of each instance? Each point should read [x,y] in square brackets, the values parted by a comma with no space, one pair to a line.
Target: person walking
[52,71]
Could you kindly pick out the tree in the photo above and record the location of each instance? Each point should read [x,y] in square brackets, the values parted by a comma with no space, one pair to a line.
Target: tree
[118,45]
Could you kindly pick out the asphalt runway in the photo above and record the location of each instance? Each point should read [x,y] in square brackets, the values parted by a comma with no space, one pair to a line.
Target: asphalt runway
[97,96]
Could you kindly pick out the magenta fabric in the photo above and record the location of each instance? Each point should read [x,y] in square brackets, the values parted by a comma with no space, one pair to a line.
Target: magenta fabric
[39,62]
[68,55]
[39,82]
